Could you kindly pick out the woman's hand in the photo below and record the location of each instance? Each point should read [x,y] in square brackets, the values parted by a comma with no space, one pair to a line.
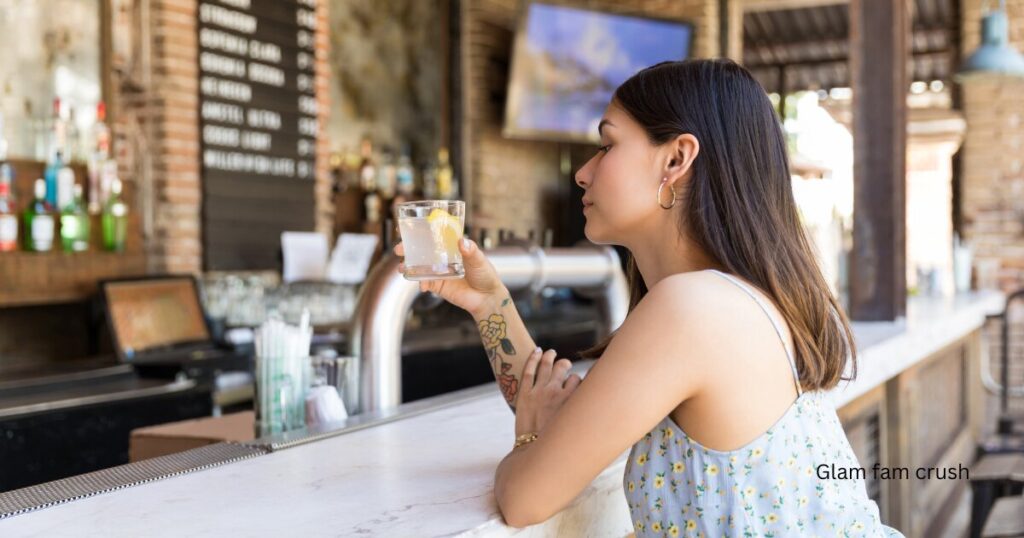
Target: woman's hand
[545,388]
[473,292]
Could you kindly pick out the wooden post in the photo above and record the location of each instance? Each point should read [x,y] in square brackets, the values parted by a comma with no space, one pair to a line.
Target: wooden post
[879,32]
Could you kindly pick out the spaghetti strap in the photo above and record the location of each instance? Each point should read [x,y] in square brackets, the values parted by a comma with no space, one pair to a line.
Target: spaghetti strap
[778,330]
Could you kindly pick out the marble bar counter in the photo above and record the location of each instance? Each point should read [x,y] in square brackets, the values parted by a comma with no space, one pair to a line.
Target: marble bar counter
[428,473]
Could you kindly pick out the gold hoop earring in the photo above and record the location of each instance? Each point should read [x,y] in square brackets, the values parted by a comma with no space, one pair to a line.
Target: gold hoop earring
[672,190]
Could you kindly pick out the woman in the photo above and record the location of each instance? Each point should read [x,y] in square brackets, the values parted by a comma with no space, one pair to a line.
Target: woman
[717,377]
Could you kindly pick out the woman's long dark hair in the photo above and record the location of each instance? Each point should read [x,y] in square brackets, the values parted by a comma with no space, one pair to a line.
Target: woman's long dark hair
[739,204]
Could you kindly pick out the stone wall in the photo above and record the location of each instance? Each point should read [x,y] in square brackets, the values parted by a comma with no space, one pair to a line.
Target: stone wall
[387,71]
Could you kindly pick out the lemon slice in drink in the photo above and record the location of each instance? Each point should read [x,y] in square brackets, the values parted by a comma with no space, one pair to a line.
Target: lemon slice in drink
[450,230]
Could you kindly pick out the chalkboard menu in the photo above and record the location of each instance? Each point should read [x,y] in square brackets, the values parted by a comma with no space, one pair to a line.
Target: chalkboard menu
[258,120]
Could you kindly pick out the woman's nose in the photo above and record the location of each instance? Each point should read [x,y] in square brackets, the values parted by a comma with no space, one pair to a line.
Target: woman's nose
[582,176]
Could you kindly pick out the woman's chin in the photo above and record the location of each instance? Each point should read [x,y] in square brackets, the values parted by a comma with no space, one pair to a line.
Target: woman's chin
[594,237]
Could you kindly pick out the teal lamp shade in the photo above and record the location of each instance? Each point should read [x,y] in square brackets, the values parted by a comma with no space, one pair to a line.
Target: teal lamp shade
[995,56]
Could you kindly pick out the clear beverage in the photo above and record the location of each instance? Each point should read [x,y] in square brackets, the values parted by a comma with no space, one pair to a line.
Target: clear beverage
[431,230]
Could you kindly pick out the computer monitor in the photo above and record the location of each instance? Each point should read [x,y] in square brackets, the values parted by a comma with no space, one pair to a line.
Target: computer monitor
[151,314]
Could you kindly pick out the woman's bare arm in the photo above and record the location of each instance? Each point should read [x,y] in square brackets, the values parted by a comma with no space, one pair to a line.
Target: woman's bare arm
[507,342]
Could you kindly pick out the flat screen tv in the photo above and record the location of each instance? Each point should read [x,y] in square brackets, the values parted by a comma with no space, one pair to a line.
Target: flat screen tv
[567,62]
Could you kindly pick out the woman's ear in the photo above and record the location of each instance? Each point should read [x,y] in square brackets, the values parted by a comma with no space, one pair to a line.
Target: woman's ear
[683,150]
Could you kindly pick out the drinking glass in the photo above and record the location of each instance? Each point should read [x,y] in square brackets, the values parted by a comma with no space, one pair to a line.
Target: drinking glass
[431,230]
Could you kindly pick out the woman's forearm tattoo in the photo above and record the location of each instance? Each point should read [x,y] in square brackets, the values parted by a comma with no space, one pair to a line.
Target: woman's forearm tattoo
[496,342]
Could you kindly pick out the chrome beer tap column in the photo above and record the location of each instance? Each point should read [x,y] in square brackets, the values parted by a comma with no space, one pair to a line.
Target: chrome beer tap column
[386,297]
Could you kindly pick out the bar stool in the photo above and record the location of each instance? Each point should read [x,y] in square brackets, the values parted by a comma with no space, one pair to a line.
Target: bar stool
[994,477]
[1006,519]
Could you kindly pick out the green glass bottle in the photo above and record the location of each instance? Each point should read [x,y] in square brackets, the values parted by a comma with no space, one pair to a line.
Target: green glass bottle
[74,224]
[115,220]
[38,222]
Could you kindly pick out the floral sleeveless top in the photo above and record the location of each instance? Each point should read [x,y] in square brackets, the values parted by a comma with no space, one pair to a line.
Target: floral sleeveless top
[770,487]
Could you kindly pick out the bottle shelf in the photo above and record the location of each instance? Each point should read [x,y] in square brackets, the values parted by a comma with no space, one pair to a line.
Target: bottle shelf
[55,277]
[37,278]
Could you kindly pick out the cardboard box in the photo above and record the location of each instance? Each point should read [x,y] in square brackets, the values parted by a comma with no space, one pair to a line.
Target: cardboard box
[163,439]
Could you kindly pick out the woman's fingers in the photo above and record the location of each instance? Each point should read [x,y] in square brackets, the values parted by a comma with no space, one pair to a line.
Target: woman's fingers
[559,371]
[547,361]
[572,382]
[399,250]
[530,369]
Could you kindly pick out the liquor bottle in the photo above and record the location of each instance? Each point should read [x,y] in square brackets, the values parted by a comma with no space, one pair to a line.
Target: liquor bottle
[429,181]
[367,169]
[387,174]
[404,174]
[73,139]
[115,220]
[337,173]
[74,223]
[55,156]
[37,221]
[101,133]
[444,175]
[98,157]
[350,163]
[65,187]
[8,219]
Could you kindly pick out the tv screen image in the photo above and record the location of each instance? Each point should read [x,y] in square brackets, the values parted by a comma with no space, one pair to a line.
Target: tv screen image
[567,62]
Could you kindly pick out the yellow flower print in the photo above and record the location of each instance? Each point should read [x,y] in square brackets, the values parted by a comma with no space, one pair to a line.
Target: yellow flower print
[678,467]
[790,463]
[673,530]
[641,459]
[757,452]
[492,330]
[667,433]
[658,482]
[639,526]
[772,518]
[809,471]
[782,483]
[749,491]
[732,460]
[803,501]
[656,527]
[632,486]
[712,470]
[857,526]
[691,524]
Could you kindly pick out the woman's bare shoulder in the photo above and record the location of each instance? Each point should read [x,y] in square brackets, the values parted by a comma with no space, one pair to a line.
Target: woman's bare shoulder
[702,292]
[719,314]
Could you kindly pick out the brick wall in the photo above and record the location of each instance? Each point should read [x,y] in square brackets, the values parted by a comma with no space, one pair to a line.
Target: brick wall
[993,188]
[993,161]
[155,121]
[514,184]
[324,198]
